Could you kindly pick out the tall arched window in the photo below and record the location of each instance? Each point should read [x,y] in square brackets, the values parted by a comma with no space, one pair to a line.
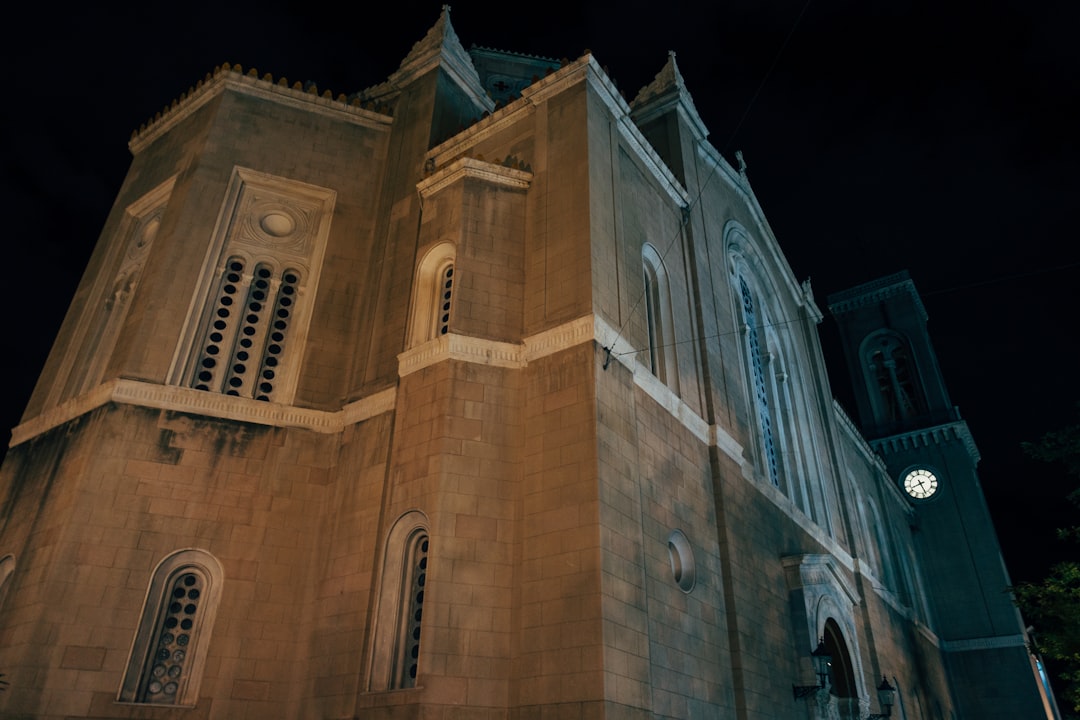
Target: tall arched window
[660,324]
[789,473]
[251,313]
[172,640]
[433,293]
[760,385]
[395,659]
[244,339]
[892,377]
[407,655]
[842,669]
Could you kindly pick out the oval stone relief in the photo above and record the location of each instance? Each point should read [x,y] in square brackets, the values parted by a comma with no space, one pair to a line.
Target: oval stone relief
[277,224]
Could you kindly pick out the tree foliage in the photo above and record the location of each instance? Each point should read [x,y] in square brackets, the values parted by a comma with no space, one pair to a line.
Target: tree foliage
[1052,605]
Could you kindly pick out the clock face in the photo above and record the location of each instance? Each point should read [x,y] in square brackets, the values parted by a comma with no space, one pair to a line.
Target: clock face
[920,483]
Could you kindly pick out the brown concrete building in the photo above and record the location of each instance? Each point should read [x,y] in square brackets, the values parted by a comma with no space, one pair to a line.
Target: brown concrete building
[482,394]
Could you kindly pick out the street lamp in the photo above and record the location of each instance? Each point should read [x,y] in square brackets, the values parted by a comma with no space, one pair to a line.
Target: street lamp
[821,658]
[886,695]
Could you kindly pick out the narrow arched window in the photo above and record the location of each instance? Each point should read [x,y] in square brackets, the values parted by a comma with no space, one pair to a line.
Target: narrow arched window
[171,643]
[756,361]
[412,606]
[176,631]
[401,598]
[442,302]
[659,322]
[433,295]
[892,376]
[783,421]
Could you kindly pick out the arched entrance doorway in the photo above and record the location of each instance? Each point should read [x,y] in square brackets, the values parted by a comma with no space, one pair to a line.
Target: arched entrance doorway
[843,696]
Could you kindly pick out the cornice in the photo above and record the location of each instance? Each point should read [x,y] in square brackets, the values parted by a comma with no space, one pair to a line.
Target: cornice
[461,347]
[984,643]
[467,167]
[198,402]
[491,352]
[559,338]
[929,437]
[485,50]
[876,291]
[226,77]
[188,400]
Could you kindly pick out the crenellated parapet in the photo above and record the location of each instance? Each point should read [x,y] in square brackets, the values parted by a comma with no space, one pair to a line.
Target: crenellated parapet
[233,76]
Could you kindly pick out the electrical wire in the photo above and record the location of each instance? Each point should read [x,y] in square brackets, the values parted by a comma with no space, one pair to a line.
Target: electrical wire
[701,188]
[923,295]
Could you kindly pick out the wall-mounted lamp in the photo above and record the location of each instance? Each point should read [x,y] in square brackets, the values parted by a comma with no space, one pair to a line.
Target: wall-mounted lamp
[821,658]
[886,695]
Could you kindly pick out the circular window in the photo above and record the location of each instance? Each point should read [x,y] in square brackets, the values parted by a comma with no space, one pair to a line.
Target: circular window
[681,556]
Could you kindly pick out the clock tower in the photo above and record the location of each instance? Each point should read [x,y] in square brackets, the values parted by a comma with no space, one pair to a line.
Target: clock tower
[904,411]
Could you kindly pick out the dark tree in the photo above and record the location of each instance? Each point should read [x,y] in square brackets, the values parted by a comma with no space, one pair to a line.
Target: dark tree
[1052,605]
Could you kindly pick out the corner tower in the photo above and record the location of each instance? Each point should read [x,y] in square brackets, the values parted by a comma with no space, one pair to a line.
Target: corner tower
[905,413]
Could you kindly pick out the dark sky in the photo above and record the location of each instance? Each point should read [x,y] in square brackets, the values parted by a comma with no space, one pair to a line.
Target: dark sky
[940,138]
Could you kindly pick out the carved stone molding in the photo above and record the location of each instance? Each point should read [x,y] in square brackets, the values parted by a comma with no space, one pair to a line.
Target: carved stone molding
[461,347]
[198,402]
[928,437]
[467,167]
[984,643]
[227,78]
[874,292]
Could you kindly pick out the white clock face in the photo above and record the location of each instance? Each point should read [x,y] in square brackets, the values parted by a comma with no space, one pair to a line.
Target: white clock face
[920,483]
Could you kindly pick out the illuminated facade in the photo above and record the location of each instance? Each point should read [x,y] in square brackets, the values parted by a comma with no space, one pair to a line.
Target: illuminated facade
[480,393]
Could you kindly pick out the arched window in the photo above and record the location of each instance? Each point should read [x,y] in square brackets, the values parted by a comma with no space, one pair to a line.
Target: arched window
[892,378]
[395,662]
[784,423]
[171,643]
[442,302]
[660,324]
[433,292]
[250,315]
[407,655]
[244,340]
[842,669]
[756,360]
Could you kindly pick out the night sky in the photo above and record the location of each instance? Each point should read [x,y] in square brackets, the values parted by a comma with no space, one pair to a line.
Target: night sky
[878,137]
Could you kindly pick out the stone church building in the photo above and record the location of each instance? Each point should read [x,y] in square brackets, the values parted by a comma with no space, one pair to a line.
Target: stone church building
[483,393]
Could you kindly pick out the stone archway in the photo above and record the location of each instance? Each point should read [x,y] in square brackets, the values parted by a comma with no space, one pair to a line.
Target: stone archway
[823,603]
[842,700]
[842,672]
